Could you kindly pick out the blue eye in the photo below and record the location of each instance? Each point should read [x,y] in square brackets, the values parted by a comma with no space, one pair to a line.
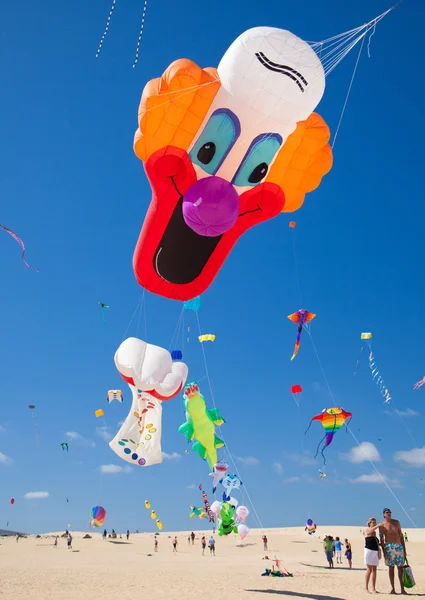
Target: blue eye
[256,162]
[216,140]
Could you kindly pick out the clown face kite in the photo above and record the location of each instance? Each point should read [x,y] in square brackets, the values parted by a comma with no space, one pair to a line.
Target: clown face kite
[225,149]
[153,377]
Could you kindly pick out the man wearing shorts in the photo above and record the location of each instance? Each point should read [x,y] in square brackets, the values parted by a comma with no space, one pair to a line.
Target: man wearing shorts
[393,547]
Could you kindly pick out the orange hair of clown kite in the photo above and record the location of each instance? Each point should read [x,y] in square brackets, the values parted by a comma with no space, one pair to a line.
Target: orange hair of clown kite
[172,110]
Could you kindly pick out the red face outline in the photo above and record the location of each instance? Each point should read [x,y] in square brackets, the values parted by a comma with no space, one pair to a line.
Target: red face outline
[172,260]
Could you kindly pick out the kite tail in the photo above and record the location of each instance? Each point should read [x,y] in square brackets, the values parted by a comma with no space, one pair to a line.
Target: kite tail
[308,427]
[21,243]
[297,345]
[318,446]
[324,457]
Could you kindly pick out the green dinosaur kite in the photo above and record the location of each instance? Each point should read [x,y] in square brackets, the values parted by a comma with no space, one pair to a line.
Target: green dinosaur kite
[200,424]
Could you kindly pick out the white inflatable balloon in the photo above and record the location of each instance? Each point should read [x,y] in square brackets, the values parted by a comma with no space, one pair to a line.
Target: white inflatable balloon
[243,530]
[153,378]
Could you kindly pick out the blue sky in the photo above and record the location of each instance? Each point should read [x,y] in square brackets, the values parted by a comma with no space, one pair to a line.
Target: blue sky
[74,191]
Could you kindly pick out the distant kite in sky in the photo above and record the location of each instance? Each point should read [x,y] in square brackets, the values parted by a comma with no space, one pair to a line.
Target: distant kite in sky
[64,446]
[376,375]
[301,318]
[32,408]
[419,384]
[206,337]
[296,389]
[115,395]
[21,243]
[332,419]
[108,22]
[103,306]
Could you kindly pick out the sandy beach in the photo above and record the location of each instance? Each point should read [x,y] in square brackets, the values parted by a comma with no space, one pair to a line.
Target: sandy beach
[116,569]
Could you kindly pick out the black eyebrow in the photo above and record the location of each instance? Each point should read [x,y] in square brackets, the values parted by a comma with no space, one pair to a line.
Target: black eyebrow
[283,69]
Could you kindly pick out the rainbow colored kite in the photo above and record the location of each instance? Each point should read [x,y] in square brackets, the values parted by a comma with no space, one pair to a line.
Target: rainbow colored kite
[332,419]
[301,318]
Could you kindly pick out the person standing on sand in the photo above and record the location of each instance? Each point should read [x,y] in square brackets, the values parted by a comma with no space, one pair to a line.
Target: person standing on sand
[128,534]
[17,537]
[371,554]
[105,533]
[265,540]
[393,548]
[338,551]
[192,535]
[329,551]
[69,542]
[348,553]
[55,545]
[203,544]
[156,544]
[211,544]
[175,544]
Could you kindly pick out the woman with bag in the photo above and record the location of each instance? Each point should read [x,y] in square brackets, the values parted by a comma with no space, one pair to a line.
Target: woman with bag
[371,553]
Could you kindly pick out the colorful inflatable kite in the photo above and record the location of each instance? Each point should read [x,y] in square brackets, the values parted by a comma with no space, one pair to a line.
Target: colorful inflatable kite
[220,470]
[310,526]
[230,483]
[153,377]
[97,515]
[225,149]
[196,512]
[200,424]
[301,318]
[332,419]
[207,505]
[153,514]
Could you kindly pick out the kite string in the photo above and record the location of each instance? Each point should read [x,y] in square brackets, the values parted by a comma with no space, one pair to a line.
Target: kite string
[348,93]
[359,445]
[383,478]
[142,26]
[226,445]
[108,21]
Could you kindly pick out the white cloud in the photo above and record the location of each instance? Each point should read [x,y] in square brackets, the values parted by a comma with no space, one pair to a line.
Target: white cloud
[2,429]
[376,478]
[79,439]
[414,457]
[406,413]
[36,495]
[302,459]
[248,460]
[172,456]
[5,460]
[192,486]
[278,468]
[291,480]
[104,433]
[363,452]
[113,469]
[73,435]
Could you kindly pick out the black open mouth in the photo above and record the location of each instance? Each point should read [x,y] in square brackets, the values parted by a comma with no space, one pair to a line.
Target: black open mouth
[182,253]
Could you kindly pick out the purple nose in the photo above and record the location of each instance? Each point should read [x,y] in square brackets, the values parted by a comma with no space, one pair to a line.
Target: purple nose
[211,206]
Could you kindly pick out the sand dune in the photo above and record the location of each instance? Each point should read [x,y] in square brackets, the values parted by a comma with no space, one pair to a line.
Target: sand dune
[121,570]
